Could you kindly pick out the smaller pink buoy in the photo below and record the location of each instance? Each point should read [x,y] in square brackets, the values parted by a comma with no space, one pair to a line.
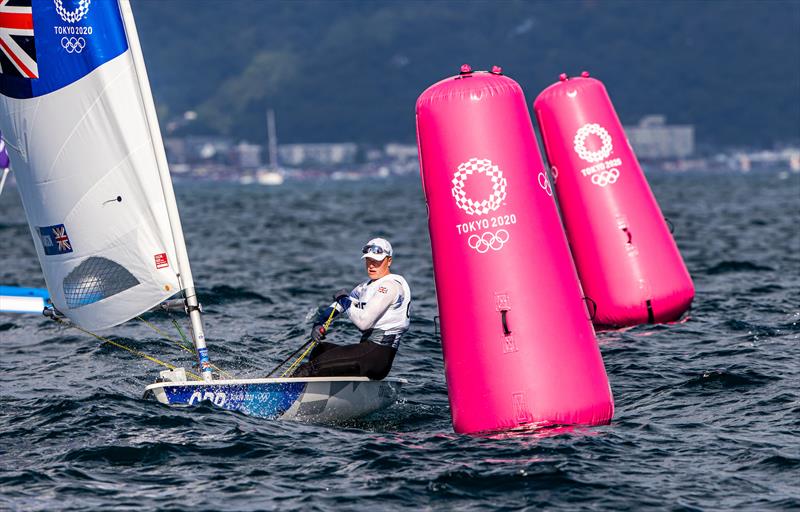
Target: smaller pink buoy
[627,260]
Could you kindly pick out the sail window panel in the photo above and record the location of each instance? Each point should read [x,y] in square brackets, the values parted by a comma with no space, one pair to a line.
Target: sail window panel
[95,279]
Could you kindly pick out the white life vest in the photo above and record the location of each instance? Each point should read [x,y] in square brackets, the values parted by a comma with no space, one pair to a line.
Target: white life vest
[396,319]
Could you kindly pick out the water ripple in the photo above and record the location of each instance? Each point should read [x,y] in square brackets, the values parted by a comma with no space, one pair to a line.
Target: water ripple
[707,410]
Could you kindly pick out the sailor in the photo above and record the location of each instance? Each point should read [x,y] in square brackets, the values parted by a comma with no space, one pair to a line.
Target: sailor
[379,307]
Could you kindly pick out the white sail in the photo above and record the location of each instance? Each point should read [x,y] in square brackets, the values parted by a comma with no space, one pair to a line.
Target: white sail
[73,113]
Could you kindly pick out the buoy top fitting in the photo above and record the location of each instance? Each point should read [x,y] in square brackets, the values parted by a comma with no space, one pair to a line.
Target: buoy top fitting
[585,74]
[466,68]
[497,70]
[563,77]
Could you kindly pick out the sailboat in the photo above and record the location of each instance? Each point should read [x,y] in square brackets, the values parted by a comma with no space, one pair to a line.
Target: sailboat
[77,112]
[18,299]
[272,175]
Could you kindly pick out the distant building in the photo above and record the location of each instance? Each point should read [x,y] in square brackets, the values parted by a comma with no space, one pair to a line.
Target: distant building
[205,149]
[297,155]
[176,150]
[766,159]
[401,151]
[247,156]
[654,139]
[373,154]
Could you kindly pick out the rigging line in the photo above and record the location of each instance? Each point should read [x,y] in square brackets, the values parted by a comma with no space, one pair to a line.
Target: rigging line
[132,351]
[180,331]
[287,359]
[313,344]
[164,335]
[299,359]
[12,146]
[181,345]
[186,340]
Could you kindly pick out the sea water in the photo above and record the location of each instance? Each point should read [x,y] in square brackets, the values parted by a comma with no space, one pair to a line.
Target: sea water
[707,411]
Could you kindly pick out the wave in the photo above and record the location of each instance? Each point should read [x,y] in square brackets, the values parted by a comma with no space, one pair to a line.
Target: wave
[780,462]
[148,454]
[7,326]
[224,294]
[751,328]
[725,267]
[719,379]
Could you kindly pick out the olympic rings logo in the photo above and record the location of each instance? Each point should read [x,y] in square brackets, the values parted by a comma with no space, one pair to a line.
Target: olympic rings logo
[73,44]
[580,143]
[75,15]
[495,199]
[488,240]
[606,177]
[545,184]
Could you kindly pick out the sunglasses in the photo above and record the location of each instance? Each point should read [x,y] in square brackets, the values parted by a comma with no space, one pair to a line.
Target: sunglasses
[373,249]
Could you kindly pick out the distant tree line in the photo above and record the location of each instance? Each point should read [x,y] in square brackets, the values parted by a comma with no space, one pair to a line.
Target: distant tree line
[352,70]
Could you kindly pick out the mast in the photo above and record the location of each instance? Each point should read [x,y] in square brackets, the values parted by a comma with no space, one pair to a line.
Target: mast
[3,179]
[184,270]
[272,140]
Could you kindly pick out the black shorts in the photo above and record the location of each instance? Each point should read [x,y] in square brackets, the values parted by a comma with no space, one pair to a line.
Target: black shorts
[365,359]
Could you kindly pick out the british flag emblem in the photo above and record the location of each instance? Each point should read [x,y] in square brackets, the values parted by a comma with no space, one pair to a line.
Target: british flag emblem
[55,240]
[17,48]
[61,238]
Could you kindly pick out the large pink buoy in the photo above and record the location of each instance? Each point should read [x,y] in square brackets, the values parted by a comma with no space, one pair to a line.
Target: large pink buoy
[518,345]
[627,260]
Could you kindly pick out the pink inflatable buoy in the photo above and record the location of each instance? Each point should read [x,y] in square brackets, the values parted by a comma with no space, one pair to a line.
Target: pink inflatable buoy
[628,262]
[518,345]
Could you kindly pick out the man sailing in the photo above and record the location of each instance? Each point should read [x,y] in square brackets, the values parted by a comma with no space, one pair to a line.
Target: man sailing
[379,307]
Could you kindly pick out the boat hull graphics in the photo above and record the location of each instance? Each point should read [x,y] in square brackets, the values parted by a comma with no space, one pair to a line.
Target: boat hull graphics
[317,399]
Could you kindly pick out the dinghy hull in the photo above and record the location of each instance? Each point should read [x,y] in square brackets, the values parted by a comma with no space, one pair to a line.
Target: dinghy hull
[326,399]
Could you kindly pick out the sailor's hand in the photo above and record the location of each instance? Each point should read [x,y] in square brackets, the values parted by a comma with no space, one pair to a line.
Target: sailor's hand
[342,297]
[318,333]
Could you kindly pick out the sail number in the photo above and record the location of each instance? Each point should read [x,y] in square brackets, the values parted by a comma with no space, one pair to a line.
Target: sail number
[217,398]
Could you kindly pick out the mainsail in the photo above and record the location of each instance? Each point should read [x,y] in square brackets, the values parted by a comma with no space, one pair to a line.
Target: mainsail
[86,158]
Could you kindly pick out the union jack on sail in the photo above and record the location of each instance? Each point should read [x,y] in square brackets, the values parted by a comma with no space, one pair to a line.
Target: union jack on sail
[55,240]
[17,48]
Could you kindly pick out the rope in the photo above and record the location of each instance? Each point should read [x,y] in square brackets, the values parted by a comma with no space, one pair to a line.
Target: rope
[123,347]
[299,359]
[184,347]
[12,146]
[164,335]
[309,349]
[285,360]
[180,332]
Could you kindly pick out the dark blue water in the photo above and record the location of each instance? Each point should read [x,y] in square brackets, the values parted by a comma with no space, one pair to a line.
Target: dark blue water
[707,412]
